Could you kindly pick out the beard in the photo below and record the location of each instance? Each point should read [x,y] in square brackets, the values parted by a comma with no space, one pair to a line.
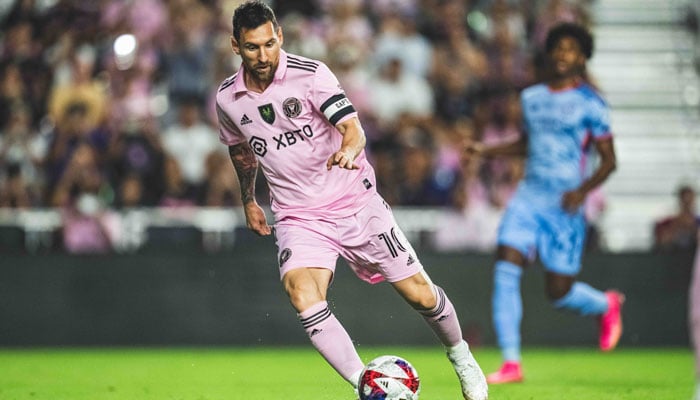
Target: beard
[263,75]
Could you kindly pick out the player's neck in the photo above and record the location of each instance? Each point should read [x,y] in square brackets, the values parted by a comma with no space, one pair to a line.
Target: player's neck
[255,85]
[564,83]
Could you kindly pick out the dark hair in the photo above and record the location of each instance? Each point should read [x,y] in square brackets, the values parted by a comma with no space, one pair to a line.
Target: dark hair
[250,15]
[575,31]
[683,189]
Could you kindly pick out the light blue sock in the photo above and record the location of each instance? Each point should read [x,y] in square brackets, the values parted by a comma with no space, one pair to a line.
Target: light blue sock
[507,308]
[584,300]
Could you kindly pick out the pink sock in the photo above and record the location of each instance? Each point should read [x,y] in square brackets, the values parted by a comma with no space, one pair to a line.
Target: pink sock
[443,319]
[331,340]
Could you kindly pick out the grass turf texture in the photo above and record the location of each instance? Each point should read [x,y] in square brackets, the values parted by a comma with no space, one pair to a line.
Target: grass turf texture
[300,373]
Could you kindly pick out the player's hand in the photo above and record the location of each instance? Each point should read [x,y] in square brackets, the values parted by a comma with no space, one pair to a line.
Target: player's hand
[255,219]
[342,160]
[472,150]
[572,200]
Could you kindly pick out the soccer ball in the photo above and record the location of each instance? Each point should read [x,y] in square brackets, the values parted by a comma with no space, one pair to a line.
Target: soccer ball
[389,378]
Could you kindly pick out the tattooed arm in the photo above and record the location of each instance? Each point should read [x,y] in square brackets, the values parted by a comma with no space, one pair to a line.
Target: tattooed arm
[246,166]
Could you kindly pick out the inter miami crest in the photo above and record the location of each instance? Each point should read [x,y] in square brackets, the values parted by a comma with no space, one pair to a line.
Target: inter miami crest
[291,107]
[284,256]
[267,113]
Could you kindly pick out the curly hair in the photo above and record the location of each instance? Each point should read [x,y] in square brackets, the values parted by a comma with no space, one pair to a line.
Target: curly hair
[575,31]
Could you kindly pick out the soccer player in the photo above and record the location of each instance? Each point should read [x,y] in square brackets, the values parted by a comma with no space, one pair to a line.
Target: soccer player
[289,115]
[563,117]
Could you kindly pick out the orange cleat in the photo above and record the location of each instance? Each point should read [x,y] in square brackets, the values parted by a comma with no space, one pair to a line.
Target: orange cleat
[510,372]
[611,321]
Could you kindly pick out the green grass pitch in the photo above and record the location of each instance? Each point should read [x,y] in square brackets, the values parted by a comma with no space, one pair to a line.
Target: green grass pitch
[301,374]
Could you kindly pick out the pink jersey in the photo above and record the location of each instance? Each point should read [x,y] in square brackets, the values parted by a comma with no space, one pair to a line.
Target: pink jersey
[291,129]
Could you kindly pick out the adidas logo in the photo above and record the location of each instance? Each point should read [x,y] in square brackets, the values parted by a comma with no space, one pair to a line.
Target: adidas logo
[315,332]
[411,260]
[245,120]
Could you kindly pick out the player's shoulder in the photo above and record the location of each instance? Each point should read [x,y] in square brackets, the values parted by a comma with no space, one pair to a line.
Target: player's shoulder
[591,94]
[533,91]
[300,65]
[223,91]
[226,83]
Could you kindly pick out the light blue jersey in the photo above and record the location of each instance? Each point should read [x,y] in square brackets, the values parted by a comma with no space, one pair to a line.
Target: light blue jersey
[560,127]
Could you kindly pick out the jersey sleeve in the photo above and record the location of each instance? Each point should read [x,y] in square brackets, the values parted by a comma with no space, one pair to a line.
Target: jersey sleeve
[599,119]
[523,118]
[329,97]
[229,134]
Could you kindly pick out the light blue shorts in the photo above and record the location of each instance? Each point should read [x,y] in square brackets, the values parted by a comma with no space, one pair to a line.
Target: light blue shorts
[554,235]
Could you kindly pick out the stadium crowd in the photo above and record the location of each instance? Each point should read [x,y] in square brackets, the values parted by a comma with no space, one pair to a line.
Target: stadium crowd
[108,104]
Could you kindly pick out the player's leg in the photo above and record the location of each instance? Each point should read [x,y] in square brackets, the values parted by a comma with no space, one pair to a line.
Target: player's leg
[507,311]
[560,250]
[437,310]
[307,288]
[374,244]
[517,237]
[432,303]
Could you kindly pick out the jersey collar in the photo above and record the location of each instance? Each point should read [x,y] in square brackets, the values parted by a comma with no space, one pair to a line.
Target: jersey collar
[239,84]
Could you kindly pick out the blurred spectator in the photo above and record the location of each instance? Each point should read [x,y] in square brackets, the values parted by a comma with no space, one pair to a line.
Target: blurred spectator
[399,37]
[221,188]
[137,156]
[420,183]
[304,36]
[459,67]
[679,231]
[502,174]
[14,94]
[190,141]
[471,221]
[14,190]
[382,8]
[501,19]
[441,67]
[81,175]
[79,86]
[353,76]
[130,192]
[177,193]
[146,19]
[346,22]
[384,154]
[72,130]
[189,52]
[88,225]
[416,99]
[505,42]
[21,155]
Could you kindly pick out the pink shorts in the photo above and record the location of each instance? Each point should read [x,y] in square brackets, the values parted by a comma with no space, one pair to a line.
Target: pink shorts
[370,241]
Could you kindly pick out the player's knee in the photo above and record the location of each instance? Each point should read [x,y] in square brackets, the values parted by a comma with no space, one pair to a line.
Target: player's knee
[511,255]
[419,296]
[557,285]
[303,299]
[557,291]
[302,293]
[423,298]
